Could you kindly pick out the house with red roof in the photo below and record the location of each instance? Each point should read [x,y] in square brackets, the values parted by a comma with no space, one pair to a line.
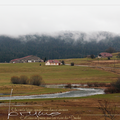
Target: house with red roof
[105,55]
[27,59]
[52,62]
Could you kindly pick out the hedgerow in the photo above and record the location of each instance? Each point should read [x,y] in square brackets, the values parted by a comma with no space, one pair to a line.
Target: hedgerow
[23,79]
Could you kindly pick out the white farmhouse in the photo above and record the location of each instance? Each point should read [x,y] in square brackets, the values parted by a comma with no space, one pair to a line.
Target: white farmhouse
[52,62]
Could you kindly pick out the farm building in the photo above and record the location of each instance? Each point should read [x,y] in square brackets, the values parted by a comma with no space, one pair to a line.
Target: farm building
[27,59]
[52,62]
[104,55]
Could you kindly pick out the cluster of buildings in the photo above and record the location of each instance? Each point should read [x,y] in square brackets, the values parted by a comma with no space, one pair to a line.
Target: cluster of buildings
[102,55]
[31,58]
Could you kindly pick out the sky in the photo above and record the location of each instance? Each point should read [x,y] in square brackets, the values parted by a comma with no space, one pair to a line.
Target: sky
[21,17]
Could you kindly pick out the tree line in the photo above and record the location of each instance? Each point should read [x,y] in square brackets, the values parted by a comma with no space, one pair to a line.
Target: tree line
[49,47]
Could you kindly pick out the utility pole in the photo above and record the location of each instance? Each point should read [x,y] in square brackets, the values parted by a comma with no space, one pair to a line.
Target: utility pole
[114,62]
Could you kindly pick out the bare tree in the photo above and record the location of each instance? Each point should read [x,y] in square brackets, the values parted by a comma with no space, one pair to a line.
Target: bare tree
[108,110]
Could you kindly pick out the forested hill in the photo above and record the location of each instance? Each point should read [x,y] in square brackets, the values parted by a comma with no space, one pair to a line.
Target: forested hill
[62,45]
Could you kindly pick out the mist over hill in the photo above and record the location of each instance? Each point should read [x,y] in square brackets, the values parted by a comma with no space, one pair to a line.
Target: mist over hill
[68,44]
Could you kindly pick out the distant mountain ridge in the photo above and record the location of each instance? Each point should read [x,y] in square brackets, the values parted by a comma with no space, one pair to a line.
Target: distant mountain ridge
[67,44]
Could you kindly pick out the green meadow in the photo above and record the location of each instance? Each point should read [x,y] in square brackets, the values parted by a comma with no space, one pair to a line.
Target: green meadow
[76,106]
[113,62]
[55,74]
[51,75]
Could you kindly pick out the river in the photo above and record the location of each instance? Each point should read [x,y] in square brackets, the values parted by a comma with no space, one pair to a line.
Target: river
[78,92]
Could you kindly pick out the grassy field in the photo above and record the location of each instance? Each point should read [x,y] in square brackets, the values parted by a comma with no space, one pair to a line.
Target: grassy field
[50,75]
[28,90]
[113,62]
[87,108]
[55,74]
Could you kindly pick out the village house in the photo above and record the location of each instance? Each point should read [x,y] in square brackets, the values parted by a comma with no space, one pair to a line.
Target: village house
[105,55]
[52,62]
[27,59]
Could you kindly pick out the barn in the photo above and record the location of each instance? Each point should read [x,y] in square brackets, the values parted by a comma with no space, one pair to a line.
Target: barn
[27,59]
[105,55]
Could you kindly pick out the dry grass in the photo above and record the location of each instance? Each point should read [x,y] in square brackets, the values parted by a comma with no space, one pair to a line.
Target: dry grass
[87,108]
[28,90]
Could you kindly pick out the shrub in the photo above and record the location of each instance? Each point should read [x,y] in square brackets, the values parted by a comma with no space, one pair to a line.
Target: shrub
[111,90]
[68,86]
[23,79]
[63,63]
[114,88]
[101,85]
[108,58]
[89,84]
[15,79]
[108,85]
[72,64]
[36,80]
[96,84]
[117,84]
[92,56]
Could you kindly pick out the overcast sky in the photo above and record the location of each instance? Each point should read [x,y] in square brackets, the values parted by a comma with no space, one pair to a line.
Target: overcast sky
[20,17]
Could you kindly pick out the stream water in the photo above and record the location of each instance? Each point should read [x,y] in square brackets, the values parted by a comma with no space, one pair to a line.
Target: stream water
[78,92]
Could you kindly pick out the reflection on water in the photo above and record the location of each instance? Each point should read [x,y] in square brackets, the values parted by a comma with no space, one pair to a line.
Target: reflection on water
[79,92]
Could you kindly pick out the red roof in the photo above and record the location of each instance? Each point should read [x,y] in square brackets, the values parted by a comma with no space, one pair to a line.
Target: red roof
[21,58]
[53,61]
[105,54]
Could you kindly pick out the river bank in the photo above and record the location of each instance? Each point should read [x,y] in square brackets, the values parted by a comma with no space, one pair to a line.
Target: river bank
[75,92]
[87,108]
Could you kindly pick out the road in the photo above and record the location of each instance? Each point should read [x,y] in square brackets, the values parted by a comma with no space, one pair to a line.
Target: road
[94,66]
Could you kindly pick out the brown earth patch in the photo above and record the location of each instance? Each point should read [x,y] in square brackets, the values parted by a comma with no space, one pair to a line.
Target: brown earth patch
[107,61]
[86,109]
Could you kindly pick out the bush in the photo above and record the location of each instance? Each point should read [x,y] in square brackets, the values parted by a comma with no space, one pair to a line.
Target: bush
[63,63]
[90,84]
[111,90]
[108,58]
[72,64]
[115,87]
[102,84]
[15,79]
[36,80]
[96,84]
[68,86]
[92,56]
[117,84]
[23,79]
